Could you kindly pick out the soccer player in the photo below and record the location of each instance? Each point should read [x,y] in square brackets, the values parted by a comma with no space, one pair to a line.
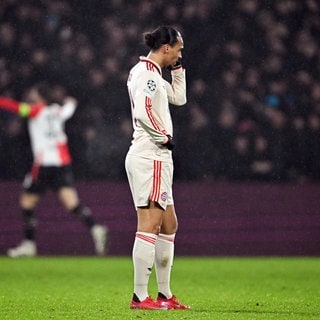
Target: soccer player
[51,166]
[149,165]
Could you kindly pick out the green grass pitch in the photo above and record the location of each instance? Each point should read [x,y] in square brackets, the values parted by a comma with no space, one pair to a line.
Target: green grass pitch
[216,288]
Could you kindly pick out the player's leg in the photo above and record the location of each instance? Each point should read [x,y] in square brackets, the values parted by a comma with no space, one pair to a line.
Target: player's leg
[148,226]
[69,198]
[32,190]
[164,255]
[27,248]
[165,251]
[140,174]
[28,204]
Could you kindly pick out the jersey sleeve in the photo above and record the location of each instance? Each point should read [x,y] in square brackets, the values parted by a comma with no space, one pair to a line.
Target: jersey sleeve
[10,105]
[176,90]
[23,109]
[146,88]
[68,109]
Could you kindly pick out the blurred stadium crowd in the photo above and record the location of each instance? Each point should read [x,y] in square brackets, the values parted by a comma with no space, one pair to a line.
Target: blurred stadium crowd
[253,72]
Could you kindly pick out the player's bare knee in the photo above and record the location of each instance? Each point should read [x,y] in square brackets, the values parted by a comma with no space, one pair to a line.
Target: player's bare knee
[28,201]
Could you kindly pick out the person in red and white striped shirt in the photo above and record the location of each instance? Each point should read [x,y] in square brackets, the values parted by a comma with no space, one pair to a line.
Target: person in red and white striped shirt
[149,164]
[51,165]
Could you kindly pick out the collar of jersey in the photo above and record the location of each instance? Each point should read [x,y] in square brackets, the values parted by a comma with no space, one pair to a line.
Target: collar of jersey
[145,59]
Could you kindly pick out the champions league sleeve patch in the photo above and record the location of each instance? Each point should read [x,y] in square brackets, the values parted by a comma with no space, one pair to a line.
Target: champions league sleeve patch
[150,88]
[151,85]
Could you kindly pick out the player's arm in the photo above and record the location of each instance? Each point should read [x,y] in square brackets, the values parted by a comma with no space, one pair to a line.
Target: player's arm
[143,112]
[176,90]
[69,107]
[23,109]
[13,106]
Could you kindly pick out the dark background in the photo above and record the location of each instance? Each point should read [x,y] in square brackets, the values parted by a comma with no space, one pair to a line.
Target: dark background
[252,72]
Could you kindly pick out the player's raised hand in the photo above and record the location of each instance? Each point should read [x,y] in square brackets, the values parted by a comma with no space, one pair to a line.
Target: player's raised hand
[177,65]
[70,100]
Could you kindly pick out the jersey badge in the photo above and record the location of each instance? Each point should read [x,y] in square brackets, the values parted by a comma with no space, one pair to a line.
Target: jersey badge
[164,196]
[151,85]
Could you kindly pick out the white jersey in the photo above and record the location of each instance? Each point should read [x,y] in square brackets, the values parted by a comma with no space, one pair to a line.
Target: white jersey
[150,96]
[48,139]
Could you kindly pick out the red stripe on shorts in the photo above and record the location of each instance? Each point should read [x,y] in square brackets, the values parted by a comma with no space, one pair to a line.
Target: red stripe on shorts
[155,193]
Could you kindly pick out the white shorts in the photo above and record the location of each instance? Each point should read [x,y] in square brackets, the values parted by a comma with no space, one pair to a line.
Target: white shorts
[149,180]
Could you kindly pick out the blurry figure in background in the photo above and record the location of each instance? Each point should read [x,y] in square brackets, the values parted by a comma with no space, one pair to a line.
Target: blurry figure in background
[313,143]
[224,135]
[261,167]
[279,140]
[194,130]
[199,134]
[298,157]
[240,157]
[51,165]
[96,145]
[193,134]
[149,165]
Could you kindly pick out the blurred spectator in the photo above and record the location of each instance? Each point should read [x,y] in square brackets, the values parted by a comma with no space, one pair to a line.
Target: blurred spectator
[224,134]
[299,148]
[313,146]
[279,139]
[238,166]
[262,166]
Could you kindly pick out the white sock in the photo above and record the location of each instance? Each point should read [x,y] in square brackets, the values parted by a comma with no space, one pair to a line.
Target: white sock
[143,258]
[164,261]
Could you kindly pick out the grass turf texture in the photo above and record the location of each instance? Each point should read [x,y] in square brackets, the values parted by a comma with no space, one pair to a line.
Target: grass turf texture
[216,288]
